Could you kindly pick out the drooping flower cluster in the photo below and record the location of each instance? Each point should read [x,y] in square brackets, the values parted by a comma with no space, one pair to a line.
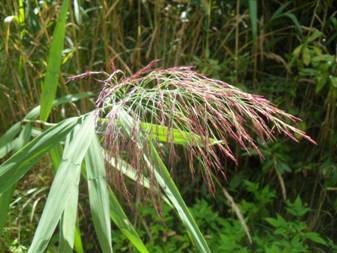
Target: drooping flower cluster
[178,106]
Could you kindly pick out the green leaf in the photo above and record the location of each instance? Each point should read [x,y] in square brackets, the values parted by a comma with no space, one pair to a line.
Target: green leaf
[13,169]
[35,112]
[168,186]
[64,186]
[170,135]
[315,35]
[21,140]
[7,143]
[131,173]
[68,222]
[277,222]
[165,181]
[297,208]
[78,241]
[121,220]
[306,56]
[49,85]
[5,198]
[98,194]
[69,232]
[176,136]
[77,12]
[315,237]
[253,19]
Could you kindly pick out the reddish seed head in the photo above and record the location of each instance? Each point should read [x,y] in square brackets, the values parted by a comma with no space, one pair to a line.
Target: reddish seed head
[214,112]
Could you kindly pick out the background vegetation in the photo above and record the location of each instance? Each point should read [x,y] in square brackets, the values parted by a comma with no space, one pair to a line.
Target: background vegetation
[284,50]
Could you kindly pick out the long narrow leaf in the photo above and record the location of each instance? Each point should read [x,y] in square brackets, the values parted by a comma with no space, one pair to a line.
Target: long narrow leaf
[21,140]
[78,241]
[176,136]
[7,139]
[123,223]
[49,86]
[253,18]
[35,112]
[167,184]
[131,173]
[98,194]
[68,224]
[5,199]
[19,163]
[66,181]
[69,232]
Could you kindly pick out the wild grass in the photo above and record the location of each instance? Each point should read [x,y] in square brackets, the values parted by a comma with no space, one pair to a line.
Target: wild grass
[250,44]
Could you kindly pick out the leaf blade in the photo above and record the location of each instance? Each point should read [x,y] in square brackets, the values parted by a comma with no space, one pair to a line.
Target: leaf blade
[98,194]
[121,220]
[19,163]
[49,85]
[66,180]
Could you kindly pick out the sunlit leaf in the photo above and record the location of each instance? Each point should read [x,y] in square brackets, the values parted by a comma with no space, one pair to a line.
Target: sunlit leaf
[19,163]
[98,194]
[49,85]
[123,223]
[64,186]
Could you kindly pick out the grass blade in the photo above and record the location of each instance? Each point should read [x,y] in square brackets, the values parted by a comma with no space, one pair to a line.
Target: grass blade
[173,135]
[5,199]
[98,194]
[49,85]
[35,112]
[68,222]
[253,19]
[19,163]
[69,232]
[123,223]
[165,181]
[7,139]
[78,241]
[168,186]
[66,181]
[131,173]
[21,140]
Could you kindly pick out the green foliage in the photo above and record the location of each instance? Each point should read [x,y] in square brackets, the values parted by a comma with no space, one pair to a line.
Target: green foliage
[284,50]
[271,234]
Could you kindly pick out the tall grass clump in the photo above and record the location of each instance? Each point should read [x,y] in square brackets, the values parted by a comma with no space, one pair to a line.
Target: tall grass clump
[140,125]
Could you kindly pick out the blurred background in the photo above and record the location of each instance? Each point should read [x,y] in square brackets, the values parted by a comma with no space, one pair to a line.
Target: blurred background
[283,50]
